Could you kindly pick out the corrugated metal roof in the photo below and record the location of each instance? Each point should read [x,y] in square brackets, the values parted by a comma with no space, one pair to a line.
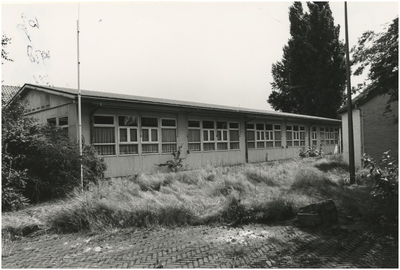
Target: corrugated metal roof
[88,94]
[8,92]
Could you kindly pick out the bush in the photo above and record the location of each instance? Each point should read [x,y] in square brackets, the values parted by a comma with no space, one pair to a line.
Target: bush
[40,162]
[384,177]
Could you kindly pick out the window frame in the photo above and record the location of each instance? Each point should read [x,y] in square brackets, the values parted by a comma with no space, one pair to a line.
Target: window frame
[128,136]
[231,142]
[224,141]
[175,127]
[199,143]
[150,141]
[208,131]
[106,125]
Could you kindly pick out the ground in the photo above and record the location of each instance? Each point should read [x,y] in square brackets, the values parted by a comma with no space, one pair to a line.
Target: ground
[284,245]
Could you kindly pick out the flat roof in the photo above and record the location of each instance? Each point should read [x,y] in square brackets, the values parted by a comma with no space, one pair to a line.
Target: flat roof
[107,96]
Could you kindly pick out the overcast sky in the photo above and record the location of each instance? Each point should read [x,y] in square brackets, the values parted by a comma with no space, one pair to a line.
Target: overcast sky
[209,52]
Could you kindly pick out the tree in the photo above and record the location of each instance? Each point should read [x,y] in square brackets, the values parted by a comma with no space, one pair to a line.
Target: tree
[310,79]
[380,52]
[4,42]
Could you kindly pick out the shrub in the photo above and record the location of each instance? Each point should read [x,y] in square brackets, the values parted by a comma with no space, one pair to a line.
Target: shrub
[40,162]
[175,164]
[384,177]
[310,152]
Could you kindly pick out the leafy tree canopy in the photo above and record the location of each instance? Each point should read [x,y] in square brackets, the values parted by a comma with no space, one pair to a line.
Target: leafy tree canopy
[310,79]
[380,52]
[4,54]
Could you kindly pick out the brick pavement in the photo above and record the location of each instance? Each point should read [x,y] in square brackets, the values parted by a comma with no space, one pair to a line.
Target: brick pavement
[261,246]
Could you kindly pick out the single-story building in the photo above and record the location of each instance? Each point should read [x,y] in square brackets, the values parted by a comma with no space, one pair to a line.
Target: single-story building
[134,133]
[375,131]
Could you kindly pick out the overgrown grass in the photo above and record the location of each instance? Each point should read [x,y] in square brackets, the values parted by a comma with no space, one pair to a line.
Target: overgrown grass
[262,192]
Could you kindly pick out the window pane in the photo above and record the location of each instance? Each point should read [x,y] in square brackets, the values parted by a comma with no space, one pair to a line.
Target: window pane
[208,124]
[225,135]
[302,135]
[212,135]
[149,122]
[124,121]
[260,145]
[209,146]
[278,144]
[105,149]
[205,135]
[194,135]
[250,136]
[194,147]
[250,126]
[268,127]
[123,135]
[234,135]
[168,148]
[289,136]
[192,123]
[260,126]
[234,145]
[103,120]
[150,148]
[52,121]
[168,123]
[251,145]
[145,135]
[277,135]
[296,128]
[125,149]
[222,146]
[63,121]
[296,143]
[103,135]
[154,135]
[289,128]
[133,133]
[233,125]
[289,143]
[270,144]
[222,125]
[277,127]
[168,135]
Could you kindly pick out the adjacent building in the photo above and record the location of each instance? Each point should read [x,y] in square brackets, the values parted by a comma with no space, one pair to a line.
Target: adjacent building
[134,133]
[375,129]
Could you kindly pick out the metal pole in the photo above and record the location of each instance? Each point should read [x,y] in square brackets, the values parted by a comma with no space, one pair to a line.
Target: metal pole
[349,105]
[79,108]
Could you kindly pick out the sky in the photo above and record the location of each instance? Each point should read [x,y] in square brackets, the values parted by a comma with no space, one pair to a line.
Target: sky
[209,52]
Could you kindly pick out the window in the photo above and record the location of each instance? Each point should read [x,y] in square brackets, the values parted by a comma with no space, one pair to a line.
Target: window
[52,121]
[251,138]
[260,135]
[128,135]
[208,136]
[104,134]
[314,136]
[336,135]
[278,136]
[329,135]
[234,136]
[63,123]
[149,134]
[322,134]
[222,136]
[295,135]
[269,135]
[168,135]
[194,140]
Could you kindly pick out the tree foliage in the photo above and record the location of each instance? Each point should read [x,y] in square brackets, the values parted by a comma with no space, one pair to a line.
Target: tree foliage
[4,54]
[40,162]
[379,52]
[310,79]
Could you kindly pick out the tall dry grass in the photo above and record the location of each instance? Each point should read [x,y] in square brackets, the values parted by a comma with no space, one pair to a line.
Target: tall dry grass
[248,193]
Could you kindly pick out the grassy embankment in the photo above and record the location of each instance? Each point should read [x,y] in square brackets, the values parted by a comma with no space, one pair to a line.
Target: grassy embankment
[263,192]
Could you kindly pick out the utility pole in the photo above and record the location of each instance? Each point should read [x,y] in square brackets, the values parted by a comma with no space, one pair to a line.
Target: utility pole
[79,106]
[349,105]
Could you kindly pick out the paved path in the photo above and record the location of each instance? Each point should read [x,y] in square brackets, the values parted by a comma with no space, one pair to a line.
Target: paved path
[258,246]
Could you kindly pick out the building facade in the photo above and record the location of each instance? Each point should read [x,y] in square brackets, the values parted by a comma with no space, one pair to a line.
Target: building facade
[134,133]
[375,131]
